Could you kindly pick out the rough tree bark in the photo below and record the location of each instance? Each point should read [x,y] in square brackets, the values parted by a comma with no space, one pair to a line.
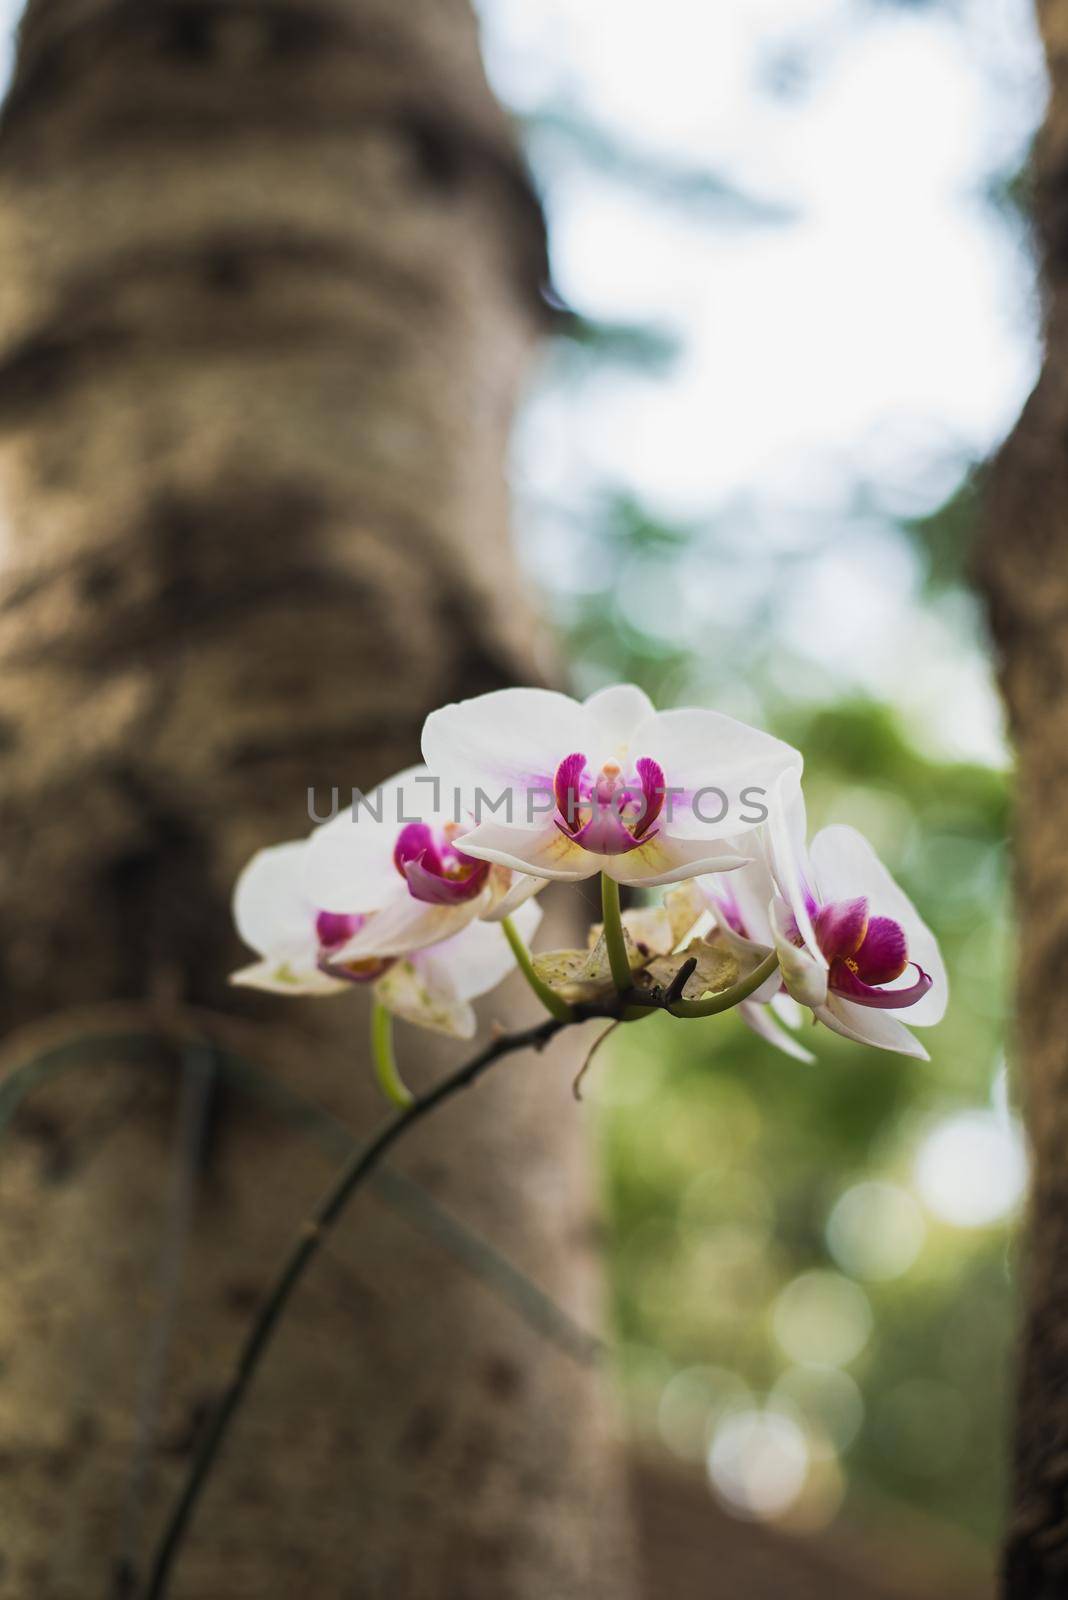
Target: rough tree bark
[1023,569]
[268,284]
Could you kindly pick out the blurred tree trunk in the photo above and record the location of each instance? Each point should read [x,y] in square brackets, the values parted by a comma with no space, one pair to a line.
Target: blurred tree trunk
[1023,570]
[269,283]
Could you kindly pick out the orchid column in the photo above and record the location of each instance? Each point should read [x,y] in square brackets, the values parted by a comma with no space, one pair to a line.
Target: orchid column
[271,278]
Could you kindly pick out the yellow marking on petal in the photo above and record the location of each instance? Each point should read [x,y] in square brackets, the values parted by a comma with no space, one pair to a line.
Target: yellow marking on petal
[368,967]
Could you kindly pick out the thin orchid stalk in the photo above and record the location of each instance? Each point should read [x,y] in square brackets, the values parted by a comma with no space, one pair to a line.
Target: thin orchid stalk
[360,1168]
[311,1237]
[726,999]
[554,1005]
[614,937]
[386,1071]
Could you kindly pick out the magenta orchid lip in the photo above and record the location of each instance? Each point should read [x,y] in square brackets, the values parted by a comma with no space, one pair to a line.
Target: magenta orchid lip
[607,813]
[865,953]
[434,869]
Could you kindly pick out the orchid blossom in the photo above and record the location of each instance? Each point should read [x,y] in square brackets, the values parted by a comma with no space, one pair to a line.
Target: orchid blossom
[851,944]
[560,789]
[400,855]
[305,949]
[419,896]
[401,892]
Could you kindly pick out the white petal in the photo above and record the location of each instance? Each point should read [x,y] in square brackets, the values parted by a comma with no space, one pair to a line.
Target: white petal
[789,1013]
[750,887]
[705,750]
[846,866]
[407,993]
[687,908]
[805,978]
[504,744]
[407,924]
[667,860]
[476,960]
[523,888]
[546,853]
[350,866]
[649,929]
[770,990]
[787,854]
[759,1018]
[271,909]
[867,1025]
[278,977]
[613,716]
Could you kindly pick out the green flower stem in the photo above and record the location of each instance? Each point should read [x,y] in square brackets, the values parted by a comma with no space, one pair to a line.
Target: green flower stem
[554,1005]
[728,998]
[356,1172]
[614,938]
[389,1079]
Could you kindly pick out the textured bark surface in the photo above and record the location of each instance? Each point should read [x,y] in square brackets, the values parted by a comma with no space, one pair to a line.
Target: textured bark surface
[268,283]
[1023,570]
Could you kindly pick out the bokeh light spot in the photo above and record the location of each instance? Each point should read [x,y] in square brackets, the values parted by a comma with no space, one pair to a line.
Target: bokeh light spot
[822,1319]
[876,1231]
[758,1463]
[693,1402]
[971,1168]
[826,1401]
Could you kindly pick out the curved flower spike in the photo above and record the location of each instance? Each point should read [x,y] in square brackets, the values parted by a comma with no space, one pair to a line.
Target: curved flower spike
[851,944]
[307,950]
[738,904]
[563,790]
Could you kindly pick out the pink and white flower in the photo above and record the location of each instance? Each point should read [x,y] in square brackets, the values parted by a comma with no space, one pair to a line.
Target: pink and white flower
[305,949]
[400,855]
[607,785]
[293,937]
[851,944]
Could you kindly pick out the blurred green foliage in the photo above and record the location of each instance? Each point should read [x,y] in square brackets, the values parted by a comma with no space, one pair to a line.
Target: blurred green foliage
[724,1161]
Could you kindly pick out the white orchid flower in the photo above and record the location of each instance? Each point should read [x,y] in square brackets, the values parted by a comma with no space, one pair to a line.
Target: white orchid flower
[291,935]
[851,944]
[399,854]
[560,789]
[305,949]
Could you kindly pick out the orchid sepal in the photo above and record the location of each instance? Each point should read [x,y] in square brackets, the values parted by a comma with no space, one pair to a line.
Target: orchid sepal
[804,977]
